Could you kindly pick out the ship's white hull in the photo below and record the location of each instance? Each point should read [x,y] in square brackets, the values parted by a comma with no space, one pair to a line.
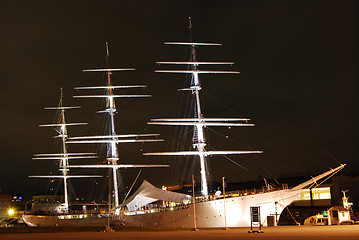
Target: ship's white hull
[64,220]
[210,214]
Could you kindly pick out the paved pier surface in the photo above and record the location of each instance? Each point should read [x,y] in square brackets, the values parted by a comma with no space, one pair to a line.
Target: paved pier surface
[281,232]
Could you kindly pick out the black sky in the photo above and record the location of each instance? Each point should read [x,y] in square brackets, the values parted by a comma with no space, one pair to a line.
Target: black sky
[298,81]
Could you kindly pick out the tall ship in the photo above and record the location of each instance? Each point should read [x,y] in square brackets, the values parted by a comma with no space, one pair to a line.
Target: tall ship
[60,214]
[152,207]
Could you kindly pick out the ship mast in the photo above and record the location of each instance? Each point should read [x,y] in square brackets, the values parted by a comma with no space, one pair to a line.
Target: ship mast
[64,162]
[61,129]
[199,122]
[111,109]
[113,139]
[199,141]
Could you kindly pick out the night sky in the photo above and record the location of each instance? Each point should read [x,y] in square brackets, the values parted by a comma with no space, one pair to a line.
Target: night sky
[298,83]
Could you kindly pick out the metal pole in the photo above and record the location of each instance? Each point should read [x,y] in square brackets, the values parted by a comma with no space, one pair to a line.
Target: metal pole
[108,215]
[224,205]
[109,197]
[194,205]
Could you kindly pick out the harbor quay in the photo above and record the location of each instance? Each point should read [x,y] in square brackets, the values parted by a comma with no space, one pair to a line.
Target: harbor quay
[279,232]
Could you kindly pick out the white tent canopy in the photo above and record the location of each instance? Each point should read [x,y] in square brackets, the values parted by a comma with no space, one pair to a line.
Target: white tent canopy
[147,193]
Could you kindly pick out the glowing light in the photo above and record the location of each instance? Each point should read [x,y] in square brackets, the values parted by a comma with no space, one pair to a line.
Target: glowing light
[11,211]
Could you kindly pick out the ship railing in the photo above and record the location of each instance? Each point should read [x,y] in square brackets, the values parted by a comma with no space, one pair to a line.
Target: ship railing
[51,213]
[146,210]
[240,193]
[70,212]
[90,209]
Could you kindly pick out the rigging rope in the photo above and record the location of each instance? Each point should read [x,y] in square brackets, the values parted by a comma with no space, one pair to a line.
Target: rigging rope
[241,166]
[131,186]
[287,207]
[222,104]
[229,159]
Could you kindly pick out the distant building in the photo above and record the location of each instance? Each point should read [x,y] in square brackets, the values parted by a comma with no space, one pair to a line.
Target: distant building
[338,215]
[315,197]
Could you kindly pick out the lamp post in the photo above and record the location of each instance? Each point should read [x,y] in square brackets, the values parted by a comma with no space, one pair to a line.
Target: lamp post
[224,205]
[194,205]
[108,213]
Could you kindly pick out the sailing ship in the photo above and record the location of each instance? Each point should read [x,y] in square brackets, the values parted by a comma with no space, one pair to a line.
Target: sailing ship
[61,215]
[153,207]
[205,211]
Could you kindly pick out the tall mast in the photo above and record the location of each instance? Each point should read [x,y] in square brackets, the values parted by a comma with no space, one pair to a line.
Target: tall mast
[111,109]
[112,139]
[199,122]
[64,162]
[61,129]
[199,141]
